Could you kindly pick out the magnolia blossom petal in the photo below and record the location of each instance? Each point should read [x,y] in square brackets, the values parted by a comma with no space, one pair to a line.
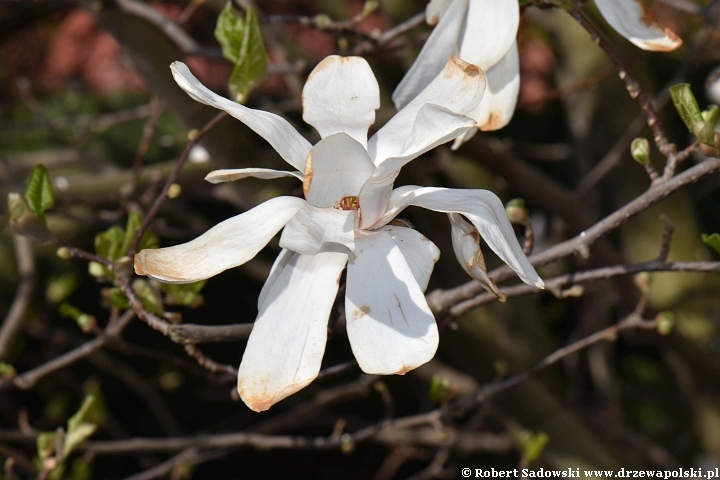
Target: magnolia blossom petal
[458,88]
[420,253]
[435,10]
[466,244]
[287,342]
[433,126]
[484,210]
[341,95]
[438,48]
[632,20]
[389,324]
[277,267]
[336,168]
[313,230]
[490,30]
[503,85]
[291,146]
[232,174]
[226,245]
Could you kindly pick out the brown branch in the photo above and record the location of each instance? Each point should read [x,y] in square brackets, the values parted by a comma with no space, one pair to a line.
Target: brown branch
[171,179]
[28,379]
[570,279]
[633,322]
[632,86]
[28,278]
[186,333]
[147,133]
[441,300]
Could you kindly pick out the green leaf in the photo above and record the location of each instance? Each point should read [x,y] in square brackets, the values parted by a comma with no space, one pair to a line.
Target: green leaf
[87,323]
[532,445]
[242,43]
[79,428]
[148,296]
[61,286]
[441,389]
[109,243]
[7,371]
[81,469]
[686,105]
[39,194]
[186,294]
[118,298]
[45,444]
[712,241]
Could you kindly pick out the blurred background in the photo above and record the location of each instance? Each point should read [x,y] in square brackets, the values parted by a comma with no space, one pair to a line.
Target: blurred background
[85,90]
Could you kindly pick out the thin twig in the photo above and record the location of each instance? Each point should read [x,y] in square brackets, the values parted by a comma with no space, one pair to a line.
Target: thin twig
[440,300]
[147,133]
[570,279]
[171,179]
[633,87]
[26,287]
[28,379]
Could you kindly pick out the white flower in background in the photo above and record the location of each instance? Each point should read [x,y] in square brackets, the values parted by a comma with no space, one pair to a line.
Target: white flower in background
[346,219]
[483,33]
[480,32]
[712,86]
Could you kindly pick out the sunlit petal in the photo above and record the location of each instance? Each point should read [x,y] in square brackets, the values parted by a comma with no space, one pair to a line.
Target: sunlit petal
[341,95]
[420,253]
[232,174]
[389,325]
[466,244]
[438,48]
[433,126]
[458,88]
[484,210]
[287,342]
[226,245]
[336,168]
[313,230]
[632,20]
[291,146]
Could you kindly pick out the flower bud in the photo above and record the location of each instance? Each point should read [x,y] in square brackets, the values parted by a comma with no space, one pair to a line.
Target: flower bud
[640,151]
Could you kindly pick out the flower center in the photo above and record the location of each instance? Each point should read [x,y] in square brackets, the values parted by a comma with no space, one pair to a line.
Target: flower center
[348,203]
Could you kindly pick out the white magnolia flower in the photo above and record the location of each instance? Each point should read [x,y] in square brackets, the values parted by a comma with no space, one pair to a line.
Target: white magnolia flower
[483,33]
[346,219]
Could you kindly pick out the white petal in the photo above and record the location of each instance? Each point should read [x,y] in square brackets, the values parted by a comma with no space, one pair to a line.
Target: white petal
[442,44]
[465,240]
[226,245]
[291,146]
[341,95]
[435,9]
[336,167]
[433,126]
[420,253]
[313,230]
[484,210]
[232,174]
[389,324]
[632,20]
[458,88]
[490,31]
[287,342]
[503,85]
[277,267]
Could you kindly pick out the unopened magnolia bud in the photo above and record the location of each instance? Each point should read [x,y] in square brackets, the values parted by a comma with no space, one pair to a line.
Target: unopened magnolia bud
[64,253]
[174,191]
[640,151]
[96,269]
[516,211]
[322,21]
[192,134]
[665,322]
